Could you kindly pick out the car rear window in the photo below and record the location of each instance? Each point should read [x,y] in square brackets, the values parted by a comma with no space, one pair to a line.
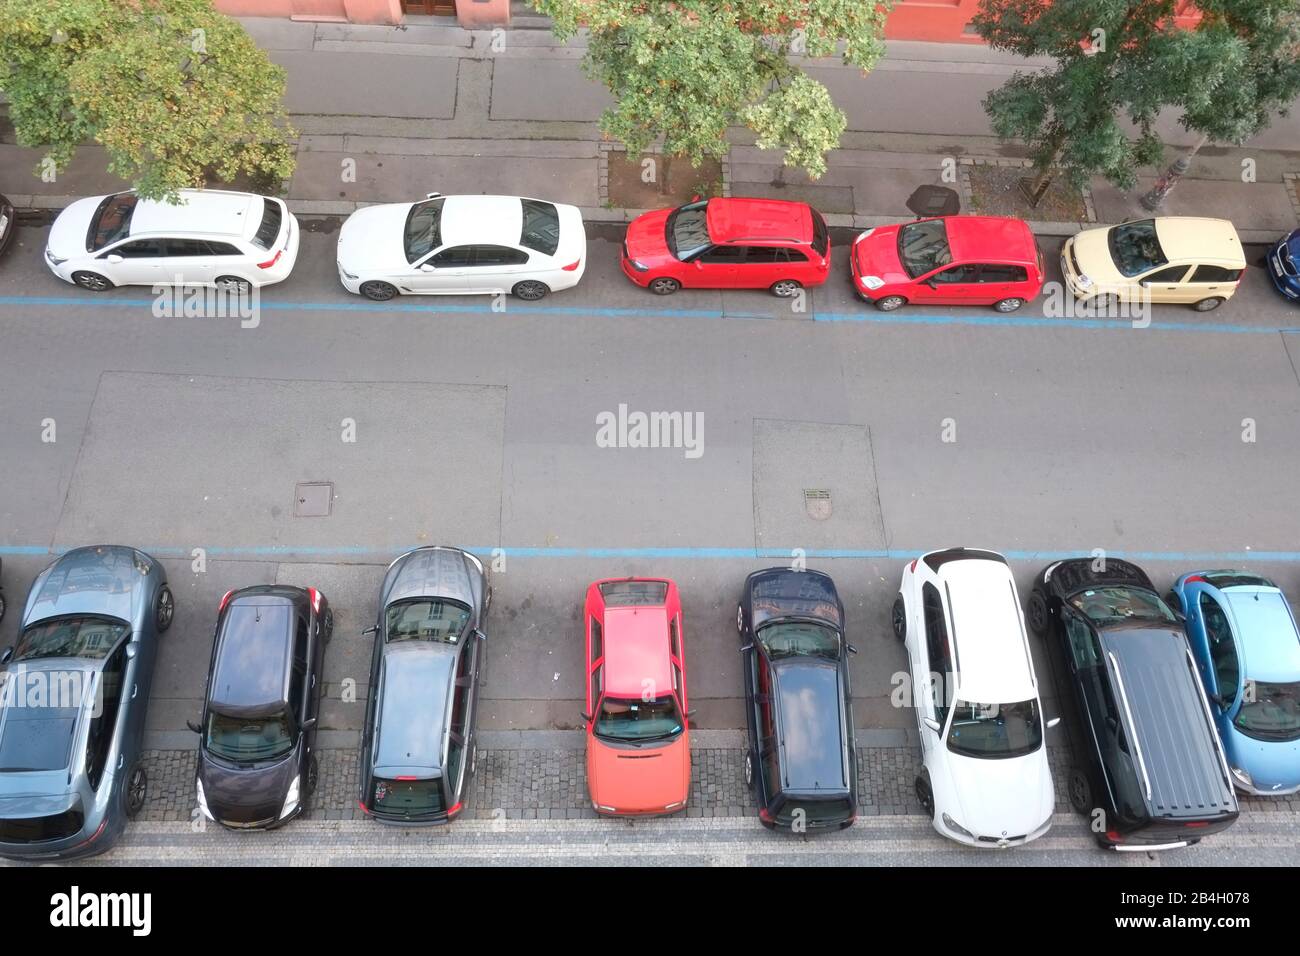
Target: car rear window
[815,811]
[37,738]
[423,231]
[409,797]
[40,829]
[634,593]
[541,231]
[111,222]
[268,230]
[821,239]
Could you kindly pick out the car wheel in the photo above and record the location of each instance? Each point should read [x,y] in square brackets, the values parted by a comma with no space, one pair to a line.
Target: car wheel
[164,609]
[92,281]
[233,284]
[740,619]
[313,778]
[1038,612]
[1008,305]
[1208,305]
[890,302]
[786,288]
[1080,790]
[327,626]
[898,618]
[530,290]
[137,790]
[749,769]
[664,285]
[378,291]
[925,796]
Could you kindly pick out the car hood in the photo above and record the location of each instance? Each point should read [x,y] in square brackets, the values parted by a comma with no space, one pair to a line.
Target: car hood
[1011,797]
[245,794]
[876,254]
[430,573]
[68,233]
[646,239]
[372,239]
[1272,764]
[632,779]
[1092,253]
[105,580]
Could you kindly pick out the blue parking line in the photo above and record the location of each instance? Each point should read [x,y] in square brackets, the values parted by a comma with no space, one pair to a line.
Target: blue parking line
[872,317]
[1203,558]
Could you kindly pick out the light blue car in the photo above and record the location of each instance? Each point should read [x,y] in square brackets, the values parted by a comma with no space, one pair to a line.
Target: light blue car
[1247,648]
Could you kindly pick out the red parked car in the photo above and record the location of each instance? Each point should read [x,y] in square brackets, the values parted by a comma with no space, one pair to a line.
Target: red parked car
[954,260]
[728,244]
[638,744]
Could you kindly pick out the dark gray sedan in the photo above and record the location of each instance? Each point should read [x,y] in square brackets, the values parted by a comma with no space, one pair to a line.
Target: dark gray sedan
[418,749]
[72,711]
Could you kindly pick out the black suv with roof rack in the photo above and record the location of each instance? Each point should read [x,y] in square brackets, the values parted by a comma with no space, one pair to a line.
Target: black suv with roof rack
[1149,768]
[800,761]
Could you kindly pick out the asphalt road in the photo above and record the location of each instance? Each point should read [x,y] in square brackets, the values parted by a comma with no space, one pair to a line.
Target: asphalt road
[478,428]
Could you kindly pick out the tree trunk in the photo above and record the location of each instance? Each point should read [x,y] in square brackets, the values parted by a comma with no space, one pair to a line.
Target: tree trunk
[665,173]
[1034,190]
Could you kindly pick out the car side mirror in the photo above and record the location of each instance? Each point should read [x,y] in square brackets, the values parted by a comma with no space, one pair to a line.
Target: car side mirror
[132,651]
[428,267]
[479,634]
[933,724]
[194,726]
[115,259]
[309,723]
[1182,618]
[432,195]
[7,655]
[586,718]
[852,649]
[699,264]
[932,283]
[372,629]
[747,647]
[1053,722]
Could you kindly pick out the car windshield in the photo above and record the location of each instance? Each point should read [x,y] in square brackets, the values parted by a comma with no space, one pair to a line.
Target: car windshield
[408,797]
[541,231]
[111,222]
[86,637]
[923,247]
[688,230]
[423,229]
[440,621]
[799,639]
[250,739]
[1270,711]
[1135,248]
[638,720]
[1108,605]
[995,730]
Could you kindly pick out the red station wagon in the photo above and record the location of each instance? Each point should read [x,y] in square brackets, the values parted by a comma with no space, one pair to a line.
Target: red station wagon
[638,744]
[955,260]
[728,244]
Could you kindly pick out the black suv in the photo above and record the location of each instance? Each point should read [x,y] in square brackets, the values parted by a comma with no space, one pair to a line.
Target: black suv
[257,762]
[1149,769]
[800,761]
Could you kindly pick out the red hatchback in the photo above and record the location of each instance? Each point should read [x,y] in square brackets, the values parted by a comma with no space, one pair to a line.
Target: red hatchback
[728,244]
[956,260]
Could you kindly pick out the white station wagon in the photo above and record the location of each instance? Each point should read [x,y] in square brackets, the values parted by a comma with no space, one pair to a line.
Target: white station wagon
[210,237]
[985,780]
[456,245]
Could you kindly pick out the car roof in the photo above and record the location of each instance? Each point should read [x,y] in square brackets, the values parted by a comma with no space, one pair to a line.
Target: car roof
[210,212]
[990,646]
[418,681]
[1190,239]
[1178,744]
[636,650]
[471,220]
[255,642]
[990,238]
[1266,632]
[810,712]
[765,220]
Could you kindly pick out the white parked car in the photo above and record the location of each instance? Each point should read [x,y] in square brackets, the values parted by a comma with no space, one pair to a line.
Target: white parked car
[211,237]
[455,245]
[985,780]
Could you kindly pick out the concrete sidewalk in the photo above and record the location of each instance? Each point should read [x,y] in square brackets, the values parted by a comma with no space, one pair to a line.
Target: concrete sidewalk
[387,113]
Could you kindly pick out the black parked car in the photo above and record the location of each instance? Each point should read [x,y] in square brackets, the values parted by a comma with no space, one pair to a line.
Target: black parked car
[419,748]
[1149,766]
[800,760]
[8,224]
[257,764]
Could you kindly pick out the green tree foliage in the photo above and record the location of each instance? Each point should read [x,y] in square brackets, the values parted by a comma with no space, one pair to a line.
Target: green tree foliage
[1118,60]
[175,92]
[688,70]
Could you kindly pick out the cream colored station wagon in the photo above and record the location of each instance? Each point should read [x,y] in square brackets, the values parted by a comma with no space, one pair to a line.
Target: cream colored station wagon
[1172,259]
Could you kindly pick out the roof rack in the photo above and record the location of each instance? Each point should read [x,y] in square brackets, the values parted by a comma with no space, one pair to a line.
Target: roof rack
[1137,744]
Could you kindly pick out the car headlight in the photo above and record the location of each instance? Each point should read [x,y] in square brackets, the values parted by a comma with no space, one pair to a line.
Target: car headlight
[1243,776]
[872,282]
[52,259]
[203,801]
[638,266]
[952,824]
[1084,281]
[344,272]
[291,799]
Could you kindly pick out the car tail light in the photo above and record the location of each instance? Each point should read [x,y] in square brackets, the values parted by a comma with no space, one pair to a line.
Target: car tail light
[93,837]
[1196,579]
[315,599]
[225,599]
[1196,824]
[572,266]
[272,261]
[1113,836]
[363,808]
[406,778]
[914,560]
[455,809]
[765,816]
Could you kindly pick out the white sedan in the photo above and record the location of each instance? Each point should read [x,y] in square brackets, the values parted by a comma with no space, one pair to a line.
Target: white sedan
[456,245]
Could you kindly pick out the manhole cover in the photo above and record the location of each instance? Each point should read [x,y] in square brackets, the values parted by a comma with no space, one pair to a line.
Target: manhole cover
[817,502]
[313,499]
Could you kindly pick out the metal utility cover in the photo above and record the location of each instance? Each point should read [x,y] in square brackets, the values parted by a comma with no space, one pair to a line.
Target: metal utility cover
[817,502]
[313,499]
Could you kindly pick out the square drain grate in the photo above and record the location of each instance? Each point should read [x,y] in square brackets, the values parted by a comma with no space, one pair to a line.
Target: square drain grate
[817,502]
[313,499]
